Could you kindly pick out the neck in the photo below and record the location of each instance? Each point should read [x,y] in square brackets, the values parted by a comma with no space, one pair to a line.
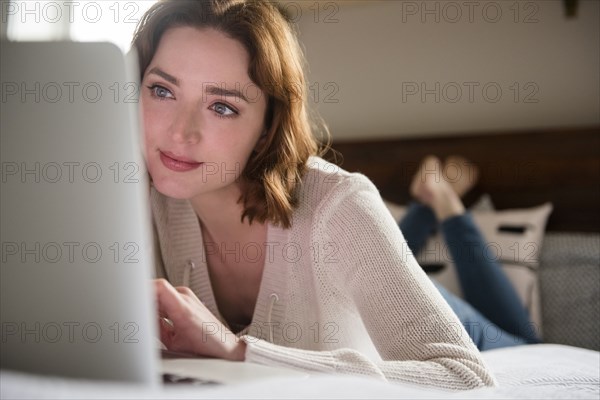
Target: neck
[219,212]
[220,218]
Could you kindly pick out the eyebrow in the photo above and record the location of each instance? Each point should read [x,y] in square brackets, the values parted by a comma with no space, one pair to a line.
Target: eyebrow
[209,89]
[221,91]
[169,78]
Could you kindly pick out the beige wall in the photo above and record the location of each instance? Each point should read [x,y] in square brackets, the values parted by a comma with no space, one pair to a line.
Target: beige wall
[375,58]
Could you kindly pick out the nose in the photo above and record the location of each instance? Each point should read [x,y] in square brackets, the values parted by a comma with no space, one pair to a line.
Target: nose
[186,127]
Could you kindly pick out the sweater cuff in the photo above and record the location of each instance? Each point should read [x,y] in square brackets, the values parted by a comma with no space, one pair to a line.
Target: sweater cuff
[262,352]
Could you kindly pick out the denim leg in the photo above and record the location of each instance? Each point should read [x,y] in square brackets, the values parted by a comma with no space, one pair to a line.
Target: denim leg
[417,226]
[484,284]
[484,333]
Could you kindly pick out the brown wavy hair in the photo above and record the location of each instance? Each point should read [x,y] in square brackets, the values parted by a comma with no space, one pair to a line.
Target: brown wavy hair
[273,174]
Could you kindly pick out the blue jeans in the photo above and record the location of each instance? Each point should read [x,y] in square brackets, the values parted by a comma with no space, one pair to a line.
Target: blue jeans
[491,313]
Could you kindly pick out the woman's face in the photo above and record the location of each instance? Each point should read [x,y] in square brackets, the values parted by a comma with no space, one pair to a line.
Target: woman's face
[203,116]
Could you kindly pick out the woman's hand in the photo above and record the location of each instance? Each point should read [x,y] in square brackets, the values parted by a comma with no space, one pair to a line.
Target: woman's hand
[193,328]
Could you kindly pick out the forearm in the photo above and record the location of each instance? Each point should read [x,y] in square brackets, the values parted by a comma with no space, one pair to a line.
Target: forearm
[456,373]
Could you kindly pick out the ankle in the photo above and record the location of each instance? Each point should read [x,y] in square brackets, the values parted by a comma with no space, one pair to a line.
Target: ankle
[447,205]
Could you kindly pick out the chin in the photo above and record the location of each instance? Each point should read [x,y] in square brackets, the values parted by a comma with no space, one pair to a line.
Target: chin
[169,187]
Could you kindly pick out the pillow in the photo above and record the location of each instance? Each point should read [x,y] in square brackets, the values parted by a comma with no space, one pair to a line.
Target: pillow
[514,239]
[515,235]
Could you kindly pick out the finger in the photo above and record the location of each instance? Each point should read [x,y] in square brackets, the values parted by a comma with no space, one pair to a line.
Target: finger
[189,295]
[184,290]
[161,313]
[169,300]
[166,333]
[166,322]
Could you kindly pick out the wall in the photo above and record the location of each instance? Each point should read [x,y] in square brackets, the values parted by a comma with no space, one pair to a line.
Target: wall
[404,68]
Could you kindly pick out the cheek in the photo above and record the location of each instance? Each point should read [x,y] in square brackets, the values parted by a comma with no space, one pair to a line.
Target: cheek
[150,121]
[243,150]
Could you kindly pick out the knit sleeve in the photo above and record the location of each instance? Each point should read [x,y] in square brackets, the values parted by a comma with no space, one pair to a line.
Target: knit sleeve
[419,338]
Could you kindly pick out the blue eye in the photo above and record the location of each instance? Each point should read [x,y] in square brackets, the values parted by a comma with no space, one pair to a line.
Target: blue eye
[160,92]
[223,110]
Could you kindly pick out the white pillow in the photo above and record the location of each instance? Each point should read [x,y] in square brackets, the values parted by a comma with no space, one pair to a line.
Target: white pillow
[515,234]
[514,238]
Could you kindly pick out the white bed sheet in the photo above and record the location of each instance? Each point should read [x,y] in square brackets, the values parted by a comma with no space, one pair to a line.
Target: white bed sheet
[535,371]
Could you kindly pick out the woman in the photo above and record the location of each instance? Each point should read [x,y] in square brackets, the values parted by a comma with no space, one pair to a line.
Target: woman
[273,255]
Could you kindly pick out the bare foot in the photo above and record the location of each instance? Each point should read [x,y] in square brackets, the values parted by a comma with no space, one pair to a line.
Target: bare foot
[431,188]
[461,174]
[429,170]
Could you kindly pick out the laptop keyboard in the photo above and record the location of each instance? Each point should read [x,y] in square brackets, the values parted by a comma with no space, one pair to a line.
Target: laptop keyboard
[170,379]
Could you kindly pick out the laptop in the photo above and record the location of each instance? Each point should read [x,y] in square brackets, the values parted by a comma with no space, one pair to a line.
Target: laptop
[76,298]
[76,265]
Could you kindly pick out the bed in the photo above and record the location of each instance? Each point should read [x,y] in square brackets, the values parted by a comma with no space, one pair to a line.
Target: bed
[547,371]
[518,171]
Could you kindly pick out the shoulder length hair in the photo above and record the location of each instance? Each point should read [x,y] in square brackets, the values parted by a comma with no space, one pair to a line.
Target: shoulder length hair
[272,176]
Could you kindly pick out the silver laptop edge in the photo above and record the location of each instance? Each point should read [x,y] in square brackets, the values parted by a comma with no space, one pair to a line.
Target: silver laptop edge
[77,251]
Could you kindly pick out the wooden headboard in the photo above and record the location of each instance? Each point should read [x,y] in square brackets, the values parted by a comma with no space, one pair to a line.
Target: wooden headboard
[519,169]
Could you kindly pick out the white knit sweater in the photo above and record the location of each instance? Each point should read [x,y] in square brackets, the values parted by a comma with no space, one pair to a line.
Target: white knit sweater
[340,292]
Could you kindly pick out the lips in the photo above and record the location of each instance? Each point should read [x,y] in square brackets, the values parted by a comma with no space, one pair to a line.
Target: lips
[178,163]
